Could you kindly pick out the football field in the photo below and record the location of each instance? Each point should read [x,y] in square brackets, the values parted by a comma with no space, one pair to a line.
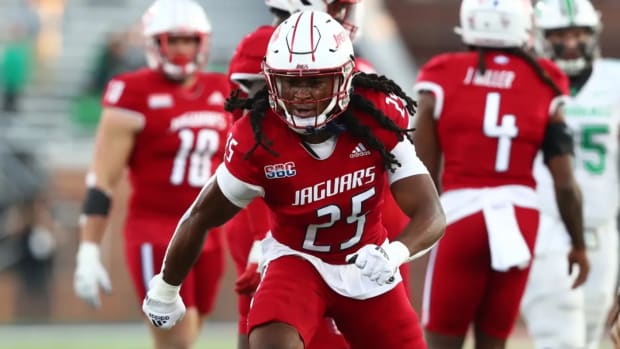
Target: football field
[135,336]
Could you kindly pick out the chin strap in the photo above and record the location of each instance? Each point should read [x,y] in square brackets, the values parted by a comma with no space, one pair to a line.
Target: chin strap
[335,127]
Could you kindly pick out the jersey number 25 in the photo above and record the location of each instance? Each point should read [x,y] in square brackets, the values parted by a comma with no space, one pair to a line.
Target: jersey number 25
[334,213]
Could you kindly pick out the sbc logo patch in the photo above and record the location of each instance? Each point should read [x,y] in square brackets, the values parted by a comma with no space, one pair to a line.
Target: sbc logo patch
[280,170]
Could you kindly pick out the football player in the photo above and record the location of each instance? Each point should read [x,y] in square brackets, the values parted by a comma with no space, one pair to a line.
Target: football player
[247,228]
[252,223]
[316,145]
[568,33]
[167,125]
[484,115]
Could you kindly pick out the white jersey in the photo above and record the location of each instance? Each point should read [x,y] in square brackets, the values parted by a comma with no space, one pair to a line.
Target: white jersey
[593,114]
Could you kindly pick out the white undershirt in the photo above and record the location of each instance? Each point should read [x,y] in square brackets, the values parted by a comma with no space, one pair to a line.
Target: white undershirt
[324,149]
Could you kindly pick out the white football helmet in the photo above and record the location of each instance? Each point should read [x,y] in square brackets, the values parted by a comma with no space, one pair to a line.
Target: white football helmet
[175,17]
[310,44]
[282,5]
[346,16]
[496,23]
[564,14]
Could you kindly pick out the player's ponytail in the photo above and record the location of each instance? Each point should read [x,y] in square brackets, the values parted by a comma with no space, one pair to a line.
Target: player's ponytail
[385,85]
[482,64]
[358,102]
[257,107]
[542,74]
[521,53]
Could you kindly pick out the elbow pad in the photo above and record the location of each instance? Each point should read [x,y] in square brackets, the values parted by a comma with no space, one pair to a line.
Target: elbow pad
[558,141]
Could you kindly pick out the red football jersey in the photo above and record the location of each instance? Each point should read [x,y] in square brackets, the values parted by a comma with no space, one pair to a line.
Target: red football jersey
[490,125]
[179,147]
[247,59]
[246,62]
[328,208]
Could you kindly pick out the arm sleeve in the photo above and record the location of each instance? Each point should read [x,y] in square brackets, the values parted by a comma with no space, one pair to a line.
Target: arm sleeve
[558,141]
[411,165]
[240,193]
[239,176]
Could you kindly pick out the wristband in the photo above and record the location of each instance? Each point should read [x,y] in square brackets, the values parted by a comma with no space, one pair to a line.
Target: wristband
[162,291]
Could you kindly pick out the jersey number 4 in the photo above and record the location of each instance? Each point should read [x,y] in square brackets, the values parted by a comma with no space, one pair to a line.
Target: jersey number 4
[193,159]
[504,131]
[335,213]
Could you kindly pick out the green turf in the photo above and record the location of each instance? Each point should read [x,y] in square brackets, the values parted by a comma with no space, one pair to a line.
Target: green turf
[135,336]
[105,344]
[121,336]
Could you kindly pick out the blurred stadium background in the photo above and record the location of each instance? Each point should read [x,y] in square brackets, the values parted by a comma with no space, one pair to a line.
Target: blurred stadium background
[55,57]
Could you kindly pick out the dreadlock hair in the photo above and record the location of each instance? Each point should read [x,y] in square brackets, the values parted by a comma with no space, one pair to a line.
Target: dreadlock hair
[519,52]
[259,104]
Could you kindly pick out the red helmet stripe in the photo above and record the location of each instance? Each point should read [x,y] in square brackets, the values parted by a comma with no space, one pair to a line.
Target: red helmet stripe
[312,34]
[290,57]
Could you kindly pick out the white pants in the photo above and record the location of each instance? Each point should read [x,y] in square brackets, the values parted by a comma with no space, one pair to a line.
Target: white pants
[559,317]
[599,289]
[553,312]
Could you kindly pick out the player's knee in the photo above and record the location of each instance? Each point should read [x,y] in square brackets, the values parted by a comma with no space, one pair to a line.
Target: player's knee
[275,335]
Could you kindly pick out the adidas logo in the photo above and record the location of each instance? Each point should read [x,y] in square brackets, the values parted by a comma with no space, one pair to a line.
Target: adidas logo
[216,98]
[360,150]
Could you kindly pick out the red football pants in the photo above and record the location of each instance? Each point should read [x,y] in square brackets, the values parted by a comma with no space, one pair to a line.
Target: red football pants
[461,288]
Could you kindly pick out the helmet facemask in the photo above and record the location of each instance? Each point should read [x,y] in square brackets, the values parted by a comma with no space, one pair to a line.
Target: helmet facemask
[561,21]
[308,69]
[588,50]
[179,67]
[320,107]
[167,19]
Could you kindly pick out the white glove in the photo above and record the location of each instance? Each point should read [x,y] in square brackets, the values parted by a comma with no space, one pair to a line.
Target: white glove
[90,274]
[163,304]
[380,264]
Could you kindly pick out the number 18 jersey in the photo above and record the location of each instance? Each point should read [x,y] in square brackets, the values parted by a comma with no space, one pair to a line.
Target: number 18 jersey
[490,125]
[178,148]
